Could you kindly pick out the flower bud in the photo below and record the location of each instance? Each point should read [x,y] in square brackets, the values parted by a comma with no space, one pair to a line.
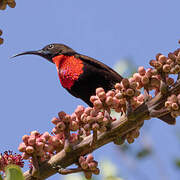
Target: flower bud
[29,149]
[162,59]
[22,147]
[89,158]
[55,120]
[141,70]
[166,68]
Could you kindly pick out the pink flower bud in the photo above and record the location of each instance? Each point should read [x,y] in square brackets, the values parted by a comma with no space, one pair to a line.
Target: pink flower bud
[174,114]
[88,110]
[89,158]
[79,110]
[109,100]
[130,140]
[25,139]
[99,117]
[35,133]
[67,118]
[92,165]
[110,93]
[133,85]
[81,159]
[99,90]
[73,117]
[61,126]
[54,140]
[96,171]
[168,104]
[130,92]
[175,106]
[102,96]
[31,140]
[166,68]
[84,165]
[137,77]
[74,126]
[172,56]
[141,70]
[118,86]
[105,121]
[61,115]
[145,79]
[149,72]
[39,145]
[97,104]
[152,62]
[157,56]
[55,120]
[169,61]
[22,147]
[172,65]
[177,68]
[172,98]
[84,118]
[140,97]
[93,98]
[162,59]
[154,72]
[169,81]
[158,65]
[88,174]
[125,82]
[95,126]
[94,112]
[46,135]
[29,149]
[56,130]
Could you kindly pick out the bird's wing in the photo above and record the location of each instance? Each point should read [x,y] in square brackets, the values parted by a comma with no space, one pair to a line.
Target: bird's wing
[100,65]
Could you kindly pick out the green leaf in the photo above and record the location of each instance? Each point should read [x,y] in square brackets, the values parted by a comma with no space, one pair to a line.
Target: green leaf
[144,153]
[13,172]
[177,162]
[1,177]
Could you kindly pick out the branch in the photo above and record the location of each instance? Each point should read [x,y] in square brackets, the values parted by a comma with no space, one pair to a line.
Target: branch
[119,128]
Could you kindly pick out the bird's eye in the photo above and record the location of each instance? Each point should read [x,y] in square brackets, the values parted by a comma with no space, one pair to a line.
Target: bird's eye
[50,46]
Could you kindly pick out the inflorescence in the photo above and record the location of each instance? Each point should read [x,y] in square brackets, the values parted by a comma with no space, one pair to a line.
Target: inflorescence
[9,158]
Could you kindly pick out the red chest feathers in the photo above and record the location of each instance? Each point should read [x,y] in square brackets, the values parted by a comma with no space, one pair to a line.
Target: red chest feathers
[69,69]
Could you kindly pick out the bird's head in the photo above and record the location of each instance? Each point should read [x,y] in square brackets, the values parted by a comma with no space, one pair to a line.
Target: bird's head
[50,51]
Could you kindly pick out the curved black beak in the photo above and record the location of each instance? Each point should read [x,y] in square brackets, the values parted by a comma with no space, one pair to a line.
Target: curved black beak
[42,53]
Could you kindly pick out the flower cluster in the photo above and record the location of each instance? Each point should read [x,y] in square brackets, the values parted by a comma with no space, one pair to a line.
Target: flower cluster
[173,105]
[41,145]
[1,39]
[9,158]
[4,3]
[89,165]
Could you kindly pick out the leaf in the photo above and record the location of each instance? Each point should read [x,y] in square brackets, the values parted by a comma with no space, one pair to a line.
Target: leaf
[177,163]
[1,177]
[13,172]
[144,153]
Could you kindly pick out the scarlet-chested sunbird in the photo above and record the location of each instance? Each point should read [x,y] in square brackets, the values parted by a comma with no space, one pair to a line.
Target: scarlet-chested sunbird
[80,75]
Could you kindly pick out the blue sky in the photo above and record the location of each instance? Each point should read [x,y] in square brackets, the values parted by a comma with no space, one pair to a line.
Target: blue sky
[106,30]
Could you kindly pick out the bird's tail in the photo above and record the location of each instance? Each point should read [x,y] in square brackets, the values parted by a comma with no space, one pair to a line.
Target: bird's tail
[168,119]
